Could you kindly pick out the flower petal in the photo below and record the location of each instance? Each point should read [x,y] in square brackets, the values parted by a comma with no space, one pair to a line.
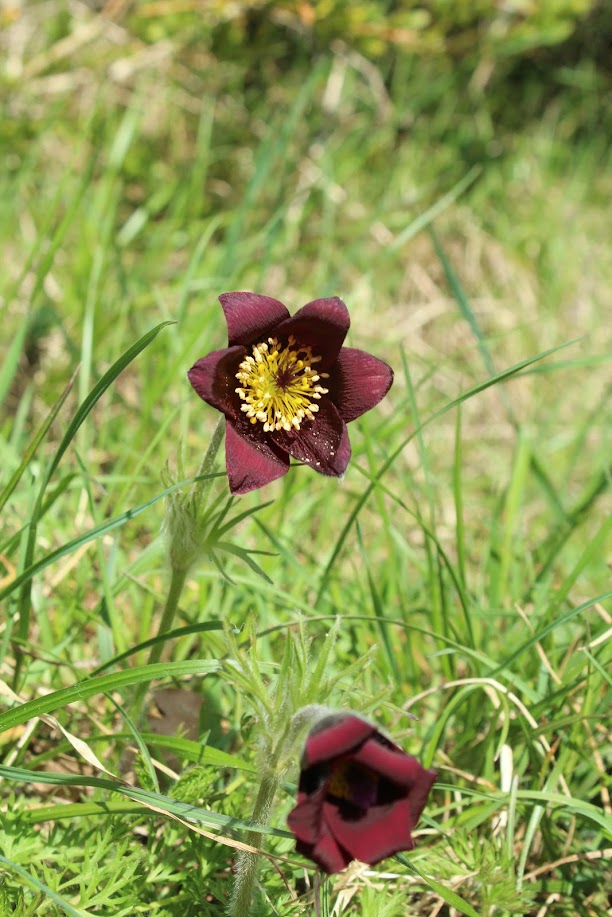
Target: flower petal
[326,853]
[379,833]
[322,443]
[358,381]
[251,461]
[335,736]
[214,379]
[314,839]
[321,324]
[330,830]
[393,764]
[250,317]
[304,820]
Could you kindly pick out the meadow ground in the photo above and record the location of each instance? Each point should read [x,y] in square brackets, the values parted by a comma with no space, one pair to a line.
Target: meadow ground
[465,556]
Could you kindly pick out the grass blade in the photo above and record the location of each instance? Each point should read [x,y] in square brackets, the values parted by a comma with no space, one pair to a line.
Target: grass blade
[94,533]
[10,361]
[25,602]
[428,216]
[446,894]
[100,387]
[35,442]
[183,810]
[475,390]
[102,685]
[558,622]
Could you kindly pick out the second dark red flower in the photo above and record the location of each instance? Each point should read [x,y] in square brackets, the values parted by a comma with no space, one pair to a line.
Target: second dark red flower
[359,797]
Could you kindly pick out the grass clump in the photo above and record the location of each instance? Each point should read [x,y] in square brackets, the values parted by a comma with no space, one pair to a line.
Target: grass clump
[465,555]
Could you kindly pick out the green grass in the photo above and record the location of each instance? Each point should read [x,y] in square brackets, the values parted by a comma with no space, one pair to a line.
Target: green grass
[466,552]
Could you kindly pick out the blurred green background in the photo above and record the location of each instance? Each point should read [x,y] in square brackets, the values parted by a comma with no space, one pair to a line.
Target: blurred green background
[158,153]
[303,145]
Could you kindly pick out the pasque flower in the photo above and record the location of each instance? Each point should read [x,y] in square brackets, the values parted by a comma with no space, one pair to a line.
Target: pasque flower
[287,387]
[359,795]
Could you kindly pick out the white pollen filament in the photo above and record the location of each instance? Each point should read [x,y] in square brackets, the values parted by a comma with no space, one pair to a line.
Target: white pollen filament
[278,385]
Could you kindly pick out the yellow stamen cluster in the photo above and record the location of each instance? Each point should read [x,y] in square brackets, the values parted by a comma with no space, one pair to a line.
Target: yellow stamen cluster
[279,386]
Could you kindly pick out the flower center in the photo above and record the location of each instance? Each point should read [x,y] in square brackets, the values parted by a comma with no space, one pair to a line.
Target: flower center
[279,386]
[354,783]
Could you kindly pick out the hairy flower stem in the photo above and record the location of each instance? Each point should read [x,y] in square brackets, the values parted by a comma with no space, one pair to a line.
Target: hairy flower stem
[179,571]
[246,893]
[179,568]
[177,581]
[247,866]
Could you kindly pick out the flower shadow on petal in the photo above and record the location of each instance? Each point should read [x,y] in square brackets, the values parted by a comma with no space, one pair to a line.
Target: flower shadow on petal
[322,443]
[214,379]
[251,463]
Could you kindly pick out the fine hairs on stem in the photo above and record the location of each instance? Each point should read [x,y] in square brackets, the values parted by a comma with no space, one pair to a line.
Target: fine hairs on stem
[245,900]
[181,561]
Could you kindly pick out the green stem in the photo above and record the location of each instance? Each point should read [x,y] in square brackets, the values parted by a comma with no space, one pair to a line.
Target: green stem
[177,581]
[245,891]
[317,885]
[247,866]
[180,570]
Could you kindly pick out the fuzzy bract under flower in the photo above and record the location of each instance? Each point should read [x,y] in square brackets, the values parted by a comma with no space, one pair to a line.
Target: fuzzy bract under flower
[359,797]
[287,387]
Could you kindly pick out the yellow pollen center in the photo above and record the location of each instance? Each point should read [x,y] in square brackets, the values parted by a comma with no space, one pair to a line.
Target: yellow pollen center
[279,386]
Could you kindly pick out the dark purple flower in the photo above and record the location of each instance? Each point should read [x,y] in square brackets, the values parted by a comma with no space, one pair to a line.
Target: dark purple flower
[359,796]
[287,387]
